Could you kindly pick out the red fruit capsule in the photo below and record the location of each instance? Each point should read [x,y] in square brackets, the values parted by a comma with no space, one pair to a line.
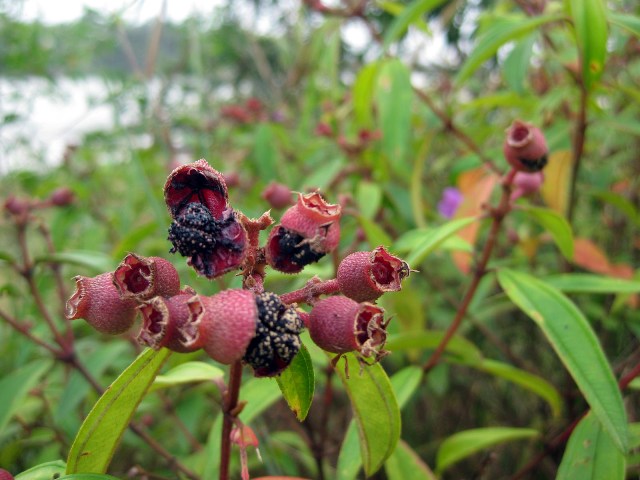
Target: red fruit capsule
[4,475]
[525,147]
[307,231]
[165,323]
[97,301]
[365,276]
[196,183]
[142,278]
[526,184]
[277,195]
[240,325]
[339,324]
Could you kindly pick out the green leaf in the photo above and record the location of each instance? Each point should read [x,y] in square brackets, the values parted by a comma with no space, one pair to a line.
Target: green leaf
[368,198]
[404,384]
[363,89]
[629,22]
[516,65]
[590,23]
[44,471]
[375,410]
[374,232]
[394,96]
[95,261]
[556,225]
[591,454]
[459,347]
[265,154]
[409,15]
[102,430]
[297,383]
[188,372]
[463,444]
[590,283]
[620,202]
[434,238]
[529,381]
[77,388]
[571,336]
[500,31]
[15,386]
[405,464]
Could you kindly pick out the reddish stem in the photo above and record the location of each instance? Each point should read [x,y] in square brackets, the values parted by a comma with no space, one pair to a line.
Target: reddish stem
[230,404]
[498,215]
[311,291]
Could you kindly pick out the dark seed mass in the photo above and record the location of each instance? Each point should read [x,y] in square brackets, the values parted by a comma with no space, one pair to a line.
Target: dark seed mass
[294,252]
[534,165]
[277,338]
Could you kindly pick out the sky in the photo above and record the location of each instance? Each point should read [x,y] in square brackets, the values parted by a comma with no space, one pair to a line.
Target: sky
[137,11]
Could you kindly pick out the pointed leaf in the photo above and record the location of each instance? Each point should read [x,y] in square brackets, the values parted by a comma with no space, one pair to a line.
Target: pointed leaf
[87,476]
[588,283]
[590,23]
[102,430]
[44,471]
[405,464]
[374,232]
[394,97]
[459,347]
[363,89]
[500,31]
[95,261]
[188,372]
[297,383]
[529,381]
[434,238]
[463,444]
[557,226]
[575,343]
[15,386]
[404,384]
[410,14]
[629,22]
[375,410]
[368,198]
[591,454]
[590,257]
[557,181]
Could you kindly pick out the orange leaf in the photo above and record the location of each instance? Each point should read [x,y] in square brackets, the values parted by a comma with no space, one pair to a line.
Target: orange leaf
[590,257]
[476,186]
[557,181]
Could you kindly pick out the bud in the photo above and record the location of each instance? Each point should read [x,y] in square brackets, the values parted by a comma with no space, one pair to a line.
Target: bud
[525,147]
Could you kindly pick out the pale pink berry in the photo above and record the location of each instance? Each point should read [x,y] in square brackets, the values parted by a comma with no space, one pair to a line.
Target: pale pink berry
[142,278]
[525,147]
[365,276]
[526,184]
[277,195]
[97,300]
[238,325]
[339,324]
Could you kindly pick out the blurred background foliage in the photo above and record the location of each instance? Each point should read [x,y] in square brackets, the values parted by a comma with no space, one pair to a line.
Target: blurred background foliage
[379,116]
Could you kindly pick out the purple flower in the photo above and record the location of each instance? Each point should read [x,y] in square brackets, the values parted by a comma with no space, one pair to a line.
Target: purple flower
[448,204]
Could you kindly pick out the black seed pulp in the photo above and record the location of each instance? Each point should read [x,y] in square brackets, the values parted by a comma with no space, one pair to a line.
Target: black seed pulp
[534,165]
[195,232]
[295,250]
[277,338]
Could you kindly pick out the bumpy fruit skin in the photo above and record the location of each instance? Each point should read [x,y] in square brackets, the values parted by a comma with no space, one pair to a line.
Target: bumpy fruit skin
[196,182]
[142,278]
[4,475]
[365,276]
[165,323]
[306,232]
[97,301]
[525,147]
[205,229]
[526,184]
[238,325]
[339,324]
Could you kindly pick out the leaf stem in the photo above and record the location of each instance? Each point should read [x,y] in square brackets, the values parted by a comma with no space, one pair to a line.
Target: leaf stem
[230,404]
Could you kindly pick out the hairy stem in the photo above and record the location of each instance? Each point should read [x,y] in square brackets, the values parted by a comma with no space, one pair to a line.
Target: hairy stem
[230,403]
